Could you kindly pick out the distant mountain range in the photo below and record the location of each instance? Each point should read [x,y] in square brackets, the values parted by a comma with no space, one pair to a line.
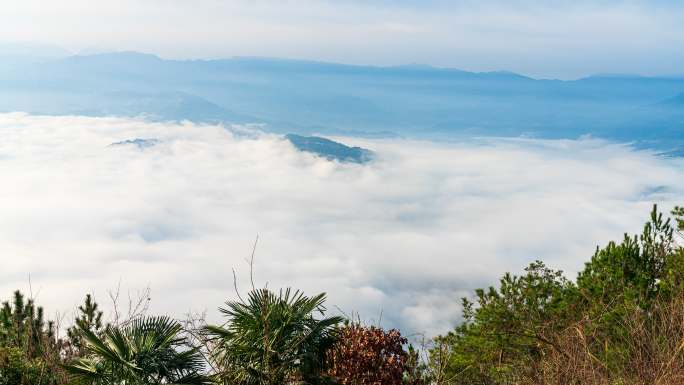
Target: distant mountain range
[676,101]
[306,97]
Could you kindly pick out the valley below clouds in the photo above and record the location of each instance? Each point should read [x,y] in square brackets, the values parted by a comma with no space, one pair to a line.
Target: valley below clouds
[397,240]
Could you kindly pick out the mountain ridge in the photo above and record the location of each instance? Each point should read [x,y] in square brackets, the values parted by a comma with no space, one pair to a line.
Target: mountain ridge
[306,97]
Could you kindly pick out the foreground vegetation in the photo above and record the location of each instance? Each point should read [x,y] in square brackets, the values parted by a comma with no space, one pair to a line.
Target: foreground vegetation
[621,321]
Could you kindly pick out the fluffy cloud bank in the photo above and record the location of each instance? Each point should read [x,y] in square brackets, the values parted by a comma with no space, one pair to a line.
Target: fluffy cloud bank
[406,235]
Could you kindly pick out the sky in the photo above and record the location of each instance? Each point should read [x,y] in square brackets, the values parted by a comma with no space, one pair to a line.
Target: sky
[555,39]
[399,240]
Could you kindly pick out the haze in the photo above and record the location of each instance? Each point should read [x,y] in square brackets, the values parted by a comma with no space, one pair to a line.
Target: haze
[558,39]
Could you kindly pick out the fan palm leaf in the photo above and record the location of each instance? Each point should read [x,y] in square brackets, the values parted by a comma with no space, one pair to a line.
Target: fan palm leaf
[272,337]
[148,350]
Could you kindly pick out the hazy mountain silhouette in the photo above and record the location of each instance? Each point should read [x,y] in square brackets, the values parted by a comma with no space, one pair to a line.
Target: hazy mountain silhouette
[330,149]
[141,144]
[306,97]
[676,101]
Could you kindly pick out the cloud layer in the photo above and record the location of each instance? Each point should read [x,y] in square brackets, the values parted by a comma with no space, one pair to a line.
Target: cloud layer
[406,235]
[558,38]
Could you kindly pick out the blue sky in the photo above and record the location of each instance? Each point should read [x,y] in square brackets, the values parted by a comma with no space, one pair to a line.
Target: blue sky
[564,39]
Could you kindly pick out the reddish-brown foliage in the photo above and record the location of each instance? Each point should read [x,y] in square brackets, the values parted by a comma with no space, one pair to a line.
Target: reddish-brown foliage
[368,356]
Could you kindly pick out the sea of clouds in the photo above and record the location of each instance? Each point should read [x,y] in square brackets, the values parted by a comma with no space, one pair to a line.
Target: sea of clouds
[398,240]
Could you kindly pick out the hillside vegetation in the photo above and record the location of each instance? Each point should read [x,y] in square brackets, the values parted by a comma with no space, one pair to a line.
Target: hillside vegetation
[620,321]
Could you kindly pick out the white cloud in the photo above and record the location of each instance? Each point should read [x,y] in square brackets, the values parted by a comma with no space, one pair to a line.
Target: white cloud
[408,234]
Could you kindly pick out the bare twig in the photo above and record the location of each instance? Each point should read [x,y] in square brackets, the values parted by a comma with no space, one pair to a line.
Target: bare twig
[237,292]
[192,326]
[136,308]
[251,262]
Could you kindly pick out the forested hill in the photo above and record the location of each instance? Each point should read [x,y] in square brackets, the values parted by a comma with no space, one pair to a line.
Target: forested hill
[305,97]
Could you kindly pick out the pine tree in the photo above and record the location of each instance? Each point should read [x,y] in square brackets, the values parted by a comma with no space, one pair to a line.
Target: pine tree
[89,318]
[22,325]
[29,350]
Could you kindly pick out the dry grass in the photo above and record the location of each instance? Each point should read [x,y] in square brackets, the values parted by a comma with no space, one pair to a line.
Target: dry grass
[649,351]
